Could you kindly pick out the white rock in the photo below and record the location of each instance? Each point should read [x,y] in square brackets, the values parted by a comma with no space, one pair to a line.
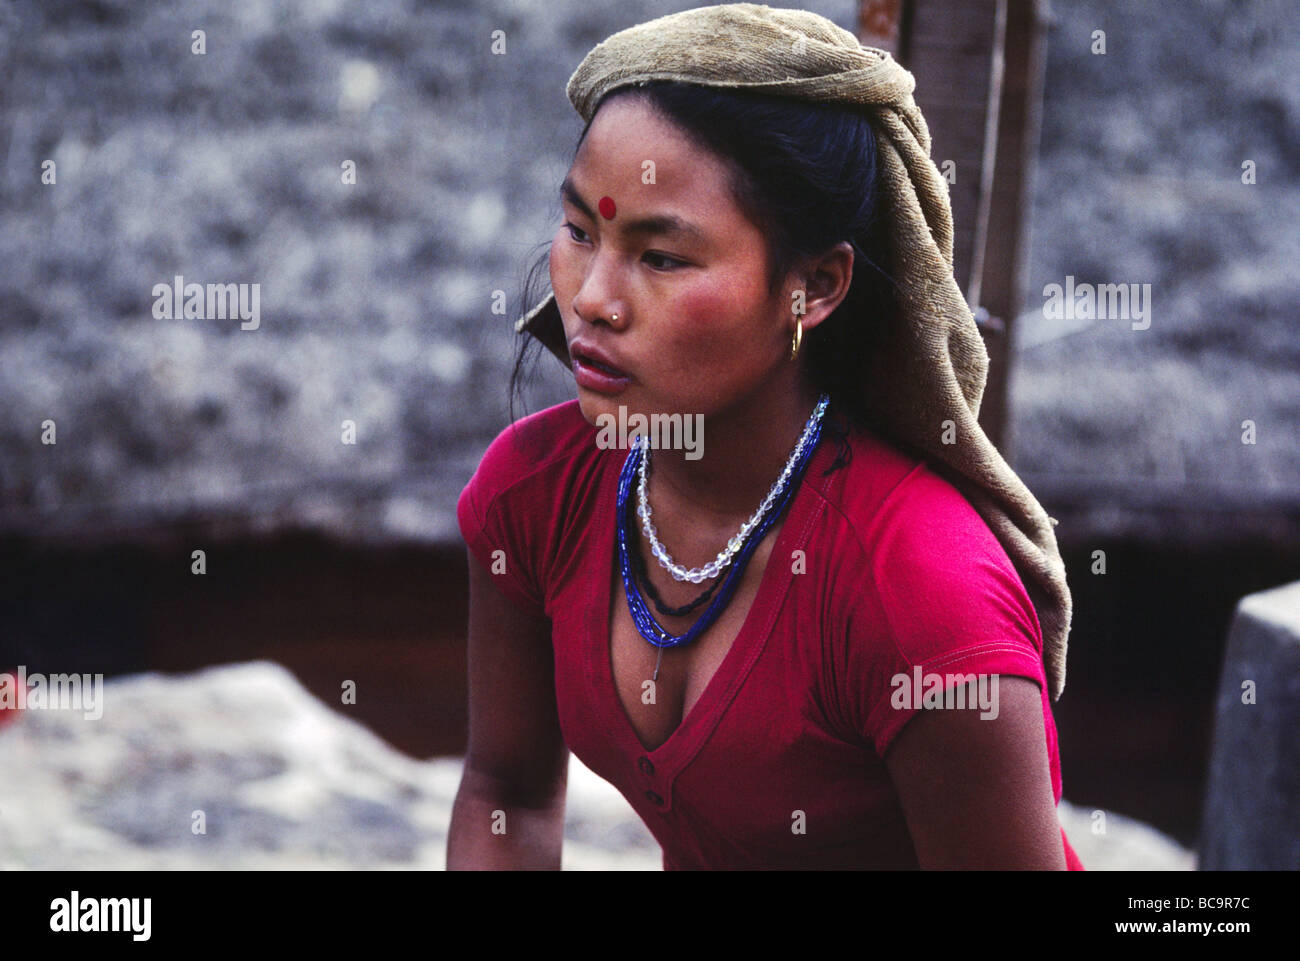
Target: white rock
[286,782]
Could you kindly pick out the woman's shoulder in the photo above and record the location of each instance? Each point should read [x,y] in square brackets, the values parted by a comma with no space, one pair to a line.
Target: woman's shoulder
[541,442]
[920,581]
[899,504]
[529,465]
[534,478]
[873,480]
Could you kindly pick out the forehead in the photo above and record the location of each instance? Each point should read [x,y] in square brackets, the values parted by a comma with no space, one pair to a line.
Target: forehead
[642,160]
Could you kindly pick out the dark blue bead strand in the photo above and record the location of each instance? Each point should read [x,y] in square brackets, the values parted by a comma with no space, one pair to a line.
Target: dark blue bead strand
[645,622]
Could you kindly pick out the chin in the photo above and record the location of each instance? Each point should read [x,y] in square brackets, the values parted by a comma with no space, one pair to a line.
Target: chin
[593,405]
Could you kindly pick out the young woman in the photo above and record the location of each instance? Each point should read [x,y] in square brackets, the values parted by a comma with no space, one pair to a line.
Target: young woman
[759,641]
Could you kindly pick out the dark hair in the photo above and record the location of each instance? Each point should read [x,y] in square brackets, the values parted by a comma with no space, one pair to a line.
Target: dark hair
[806,175]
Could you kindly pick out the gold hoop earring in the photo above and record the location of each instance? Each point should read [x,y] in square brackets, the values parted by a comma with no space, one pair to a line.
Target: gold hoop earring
[798,338]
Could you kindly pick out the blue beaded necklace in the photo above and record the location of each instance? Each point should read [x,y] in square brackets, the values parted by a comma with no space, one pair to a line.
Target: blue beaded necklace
[645,622]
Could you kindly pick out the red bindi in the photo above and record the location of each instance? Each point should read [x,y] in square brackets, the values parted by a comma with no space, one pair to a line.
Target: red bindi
[606,207]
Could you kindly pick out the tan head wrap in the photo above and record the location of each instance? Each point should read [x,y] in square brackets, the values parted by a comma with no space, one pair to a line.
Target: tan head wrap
[935,365]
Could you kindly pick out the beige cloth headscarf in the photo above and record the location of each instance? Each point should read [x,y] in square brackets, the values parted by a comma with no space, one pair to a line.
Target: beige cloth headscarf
[935,366]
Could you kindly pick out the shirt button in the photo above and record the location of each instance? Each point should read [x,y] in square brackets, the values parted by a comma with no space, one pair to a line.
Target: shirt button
[646,767]
[654,798]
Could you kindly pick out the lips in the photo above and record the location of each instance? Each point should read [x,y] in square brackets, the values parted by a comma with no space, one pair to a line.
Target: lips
[597,371]
[590,356]
[603,368]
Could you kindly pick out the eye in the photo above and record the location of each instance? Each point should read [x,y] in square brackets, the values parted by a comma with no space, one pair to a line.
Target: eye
[666,262]
[574,231]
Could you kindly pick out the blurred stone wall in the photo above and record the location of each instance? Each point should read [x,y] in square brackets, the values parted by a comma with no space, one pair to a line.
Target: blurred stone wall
[376,297]
[1140,181]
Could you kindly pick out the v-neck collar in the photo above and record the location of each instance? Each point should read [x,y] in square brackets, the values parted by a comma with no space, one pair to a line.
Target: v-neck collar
[695,727]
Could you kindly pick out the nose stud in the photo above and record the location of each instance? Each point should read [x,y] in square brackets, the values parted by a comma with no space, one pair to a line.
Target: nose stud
[613,317]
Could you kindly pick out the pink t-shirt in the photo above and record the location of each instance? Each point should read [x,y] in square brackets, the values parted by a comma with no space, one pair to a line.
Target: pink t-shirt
[901,573]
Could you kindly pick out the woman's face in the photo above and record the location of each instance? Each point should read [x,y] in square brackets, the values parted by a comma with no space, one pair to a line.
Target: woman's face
[697,331]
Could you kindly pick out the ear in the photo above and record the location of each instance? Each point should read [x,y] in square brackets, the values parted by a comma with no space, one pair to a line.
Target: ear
[819,285]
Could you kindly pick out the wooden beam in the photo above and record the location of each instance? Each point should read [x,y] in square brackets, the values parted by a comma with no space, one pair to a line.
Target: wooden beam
[955,52]
[978,66]
[1006,259]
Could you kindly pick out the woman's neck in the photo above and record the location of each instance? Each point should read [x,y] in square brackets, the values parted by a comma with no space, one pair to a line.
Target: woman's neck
[744,450]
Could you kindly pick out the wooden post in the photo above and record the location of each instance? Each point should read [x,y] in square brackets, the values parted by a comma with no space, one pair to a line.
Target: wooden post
[954,48]
[1006,256]
[978,67]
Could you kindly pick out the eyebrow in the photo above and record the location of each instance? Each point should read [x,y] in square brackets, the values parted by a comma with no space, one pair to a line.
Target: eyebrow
[656,224]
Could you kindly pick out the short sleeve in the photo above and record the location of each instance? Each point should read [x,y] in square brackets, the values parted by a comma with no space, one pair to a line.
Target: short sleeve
[500,530]
[946,607]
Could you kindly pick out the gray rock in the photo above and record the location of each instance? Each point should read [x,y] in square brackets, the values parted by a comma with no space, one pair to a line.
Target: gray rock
[1252,807]
[1106,841]
[282,781]
[285,782]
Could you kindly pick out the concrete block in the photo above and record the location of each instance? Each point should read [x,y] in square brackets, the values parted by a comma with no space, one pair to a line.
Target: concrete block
[1251,819]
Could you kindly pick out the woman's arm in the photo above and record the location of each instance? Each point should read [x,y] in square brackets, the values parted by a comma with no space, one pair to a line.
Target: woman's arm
[977,794]
[509,811]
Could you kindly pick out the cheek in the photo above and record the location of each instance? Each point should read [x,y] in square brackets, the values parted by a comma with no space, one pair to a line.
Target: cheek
[718,326]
